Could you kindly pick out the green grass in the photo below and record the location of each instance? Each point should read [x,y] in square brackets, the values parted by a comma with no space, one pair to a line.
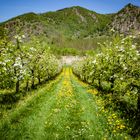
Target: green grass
[80,47]
[63,109]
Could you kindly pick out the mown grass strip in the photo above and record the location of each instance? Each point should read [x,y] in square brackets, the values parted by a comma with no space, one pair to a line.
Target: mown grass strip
[27,120]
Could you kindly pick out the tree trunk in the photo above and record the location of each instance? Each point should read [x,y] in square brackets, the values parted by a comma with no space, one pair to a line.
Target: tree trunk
[18,45]
[33,81]
[39,80]
[112,84]
[17,86]
[100,86]
[138,103]
[27,85]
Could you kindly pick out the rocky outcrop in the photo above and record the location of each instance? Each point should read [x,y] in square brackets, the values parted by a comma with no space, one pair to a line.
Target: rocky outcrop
[127,20]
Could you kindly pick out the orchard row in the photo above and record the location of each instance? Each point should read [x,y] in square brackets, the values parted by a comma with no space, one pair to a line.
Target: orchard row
[115,69]
[22,66]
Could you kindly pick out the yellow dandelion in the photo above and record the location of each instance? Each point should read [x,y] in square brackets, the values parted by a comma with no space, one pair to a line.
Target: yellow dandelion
[114,131]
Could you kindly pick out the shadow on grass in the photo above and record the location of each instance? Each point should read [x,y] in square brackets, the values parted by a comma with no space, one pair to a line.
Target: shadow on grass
[9,99]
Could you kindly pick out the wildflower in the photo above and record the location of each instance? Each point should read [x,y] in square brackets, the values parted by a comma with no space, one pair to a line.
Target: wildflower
[114,131]
[122,126]
[67,127]
[125,138]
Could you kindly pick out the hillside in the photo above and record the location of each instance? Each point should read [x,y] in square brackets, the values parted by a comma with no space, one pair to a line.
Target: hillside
[77,22]
[74,22]
[127,20]
[28,24]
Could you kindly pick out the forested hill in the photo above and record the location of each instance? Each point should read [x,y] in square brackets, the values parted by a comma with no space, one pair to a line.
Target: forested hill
[74,22]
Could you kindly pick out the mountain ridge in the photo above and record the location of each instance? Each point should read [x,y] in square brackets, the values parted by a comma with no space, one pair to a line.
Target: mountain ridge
[74,22]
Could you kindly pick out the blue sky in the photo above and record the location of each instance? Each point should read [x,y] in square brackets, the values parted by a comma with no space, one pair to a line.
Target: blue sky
[12,8]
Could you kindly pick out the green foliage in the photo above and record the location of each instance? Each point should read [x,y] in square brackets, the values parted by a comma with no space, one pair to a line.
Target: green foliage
[77,46]
[32,17]
[64,51]
[74,22]
[2,33]
[25,65]
[115,72]
[116,67]
[77,22]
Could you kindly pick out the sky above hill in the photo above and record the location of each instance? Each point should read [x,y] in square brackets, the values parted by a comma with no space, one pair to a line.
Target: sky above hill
[12,8]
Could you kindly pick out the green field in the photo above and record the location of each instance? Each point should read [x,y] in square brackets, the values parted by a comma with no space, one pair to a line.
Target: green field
[64,108]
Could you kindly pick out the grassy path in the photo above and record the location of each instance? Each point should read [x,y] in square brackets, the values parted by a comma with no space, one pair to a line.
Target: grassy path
[64,109]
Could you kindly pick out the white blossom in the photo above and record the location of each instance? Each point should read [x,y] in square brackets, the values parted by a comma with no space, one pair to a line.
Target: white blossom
[135,58]
[7,60]
[23,36]
[121,50]
[125,68]
[32,49]
[112,30]
[133,46]
[94,61]
[121,78]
